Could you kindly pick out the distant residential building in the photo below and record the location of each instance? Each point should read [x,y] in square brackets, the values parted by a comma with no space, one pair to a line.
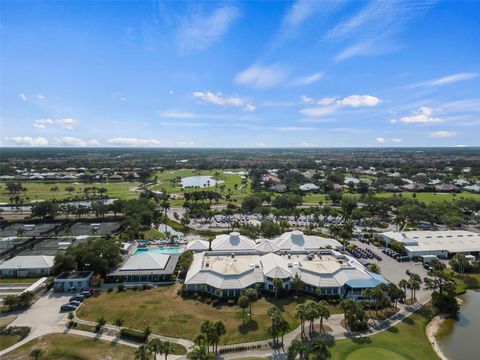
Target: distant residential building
[460,182]
[446,187]
[309,187]
[280,188]
[414,187]
[473,188]
[351,180]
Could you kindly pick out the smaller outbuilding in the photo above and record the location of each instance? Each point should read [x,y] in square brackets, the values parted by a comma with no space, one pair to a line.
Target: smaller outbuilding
[73,281]
[27,266]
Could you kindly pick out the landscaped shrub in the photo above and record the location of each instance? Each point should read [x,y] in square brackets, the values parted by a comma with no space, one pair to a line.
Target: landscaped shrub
[120,287]
[21,331]
[132,335]
[230,302]
[208,301]
[109,290]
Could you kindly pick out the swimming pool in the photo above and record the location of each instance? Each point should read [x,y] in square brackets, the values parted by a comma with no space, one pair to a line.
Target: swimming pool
[164,250]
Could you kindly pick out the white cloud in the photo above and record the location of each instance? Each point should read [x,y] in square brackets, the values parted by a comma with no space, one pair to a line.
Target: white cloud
[22,96]
[185,144]
[445,80]
[177,114]
[40,97]
[67,124]
[198,31]
[306,80]
[93,142]
[294,128]
[424,115]
[305,144]
[331,105]
[218,98]
[124,141]
[118,95]
[261,76]
[249,108]
[306,99]
[382,140]
[42,123]
[359,100]
[69,141]
[443,134]
[372,28]
[29,141]
[326,101]
[319,111]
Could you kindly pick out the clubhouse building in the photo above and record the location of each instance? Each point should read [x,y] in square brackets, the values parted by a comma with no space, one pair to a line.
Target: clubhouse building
[236,263]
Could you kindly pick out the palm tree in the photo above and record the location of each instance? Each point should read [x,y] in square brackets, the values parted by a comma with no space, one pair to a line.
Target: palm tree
[403,284]
[243,302]
[323,311]
[166,348]
[311,315]
[277,284]
[319,350]
[207,328]
[219,331]
[297,349]
[301,314]
[252,296]
[155,346]
[297,283]
[142,353]
[165,205]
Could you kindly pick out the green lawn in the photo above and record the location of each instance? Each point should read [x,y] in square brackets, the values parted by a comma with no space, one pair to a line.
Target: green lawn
[8,340]
[42,190]
[169,314]
[165,180]
[468,281]
[426,197]
[18,280]
[406,340]
[72,347]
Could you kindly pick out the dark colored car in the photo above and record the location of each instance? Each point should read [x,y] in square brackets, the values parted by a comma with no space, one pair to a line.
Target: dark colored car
[67,307]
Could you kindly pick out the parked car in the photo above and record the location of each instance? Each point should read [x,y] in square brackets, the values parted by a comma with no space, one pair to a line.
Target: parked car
[75,303]
[67,307]
[77,297]
[86,294]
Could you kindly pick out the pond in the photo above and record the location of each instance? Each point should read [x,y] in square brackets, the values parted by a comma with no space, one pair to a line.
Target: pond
[459,339]
[201,181]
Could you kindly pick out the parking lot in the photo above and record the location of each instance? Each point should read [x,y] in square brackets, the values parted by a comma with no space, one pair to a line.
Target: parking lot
[394,271]
[44,314]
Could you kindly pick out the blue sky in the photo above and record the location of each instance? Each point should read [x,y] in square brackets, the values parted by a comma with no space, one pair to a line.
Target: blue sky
[240,74]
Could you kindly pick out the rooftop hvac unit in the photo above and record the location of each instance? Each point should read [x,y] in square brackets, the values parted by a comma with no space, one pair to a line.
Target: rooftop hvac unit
[289,265]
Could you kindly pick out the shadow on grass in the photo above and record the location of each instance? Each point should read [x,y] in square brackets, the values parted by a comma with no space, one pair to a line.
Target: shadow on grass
[409,321]
[250,325]
[393,329]
[361,340]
